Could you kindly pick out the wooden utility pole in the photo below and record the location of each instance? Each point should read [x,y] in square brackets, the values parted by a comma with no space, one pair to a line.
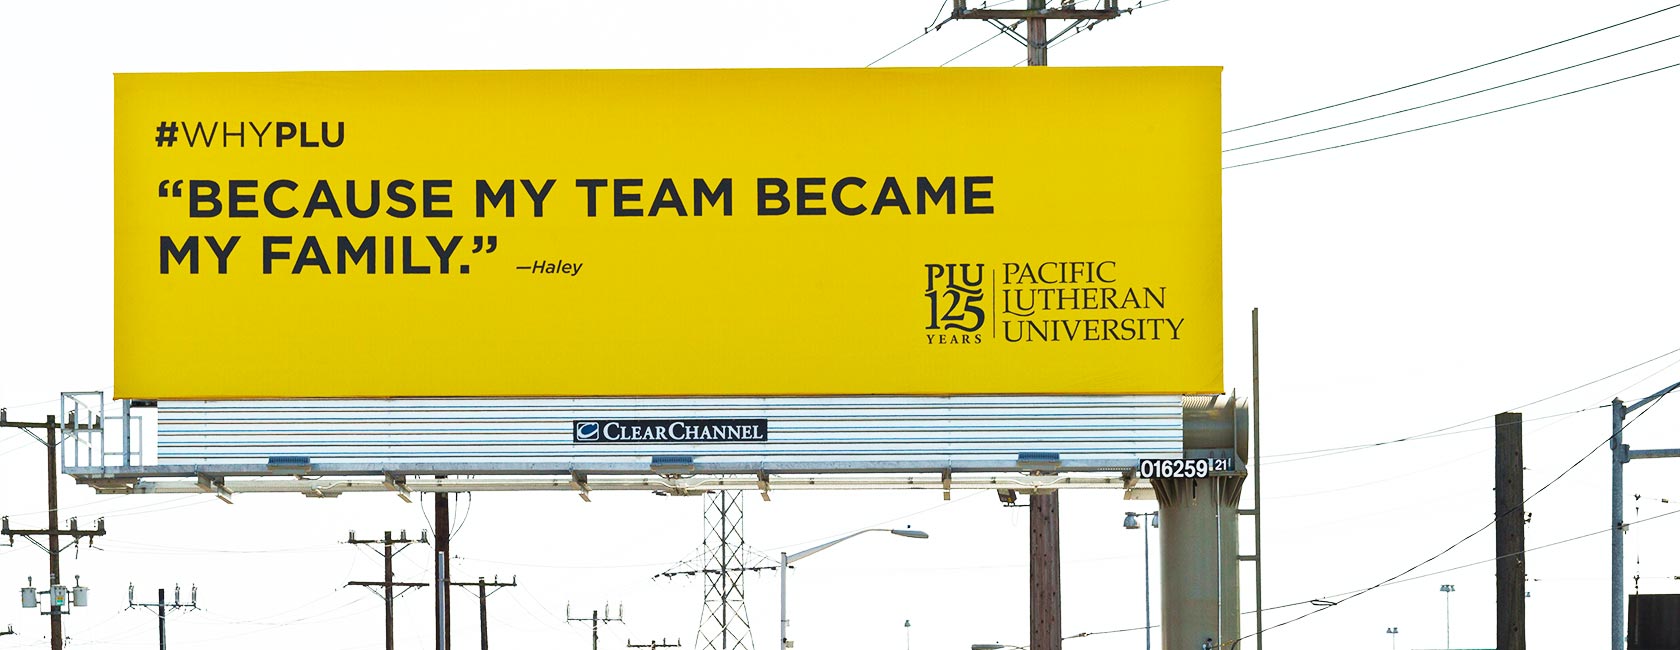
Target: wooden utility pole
[163,608]
[57,599]
[389,584]
[595,620]
[1046,572]
[484,609]
[1036,16]
[1510,546]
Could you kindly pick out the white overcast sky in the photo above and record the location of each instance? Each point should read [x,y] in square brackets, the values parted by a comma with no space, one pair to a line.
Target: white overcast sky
[1406,285]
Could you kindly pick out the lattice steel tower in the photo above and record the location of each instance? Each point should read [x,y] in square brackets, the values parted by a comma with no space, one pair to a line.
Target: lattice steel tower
[723,616]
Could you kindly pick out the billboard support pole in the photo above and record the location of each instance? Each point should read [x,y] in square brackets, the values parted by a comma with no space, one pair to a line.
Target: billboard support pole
[1045,549]
[440,522]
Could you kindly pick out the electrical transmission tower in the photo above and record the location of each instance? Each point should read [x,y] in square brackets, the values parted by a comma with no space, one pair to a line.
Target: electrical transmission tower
[484,592]
[392,546]
[595,620]
[163,608]
[723,617]
[60,597]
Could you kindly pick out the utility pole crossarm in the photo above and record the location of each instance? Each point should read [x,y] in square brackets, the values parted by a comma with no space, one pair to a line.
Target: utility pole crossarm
[1051,14]
[1110,9]
[365,583]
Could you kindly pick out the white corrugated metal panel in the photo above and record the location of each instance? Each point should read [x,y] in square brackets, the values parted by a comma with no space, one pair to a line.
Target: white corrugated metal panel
[804,433]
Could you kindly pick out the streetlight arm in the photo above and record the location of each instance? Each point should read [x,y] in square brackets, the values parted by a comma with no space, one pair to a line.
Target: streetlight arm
[1653,397]
[795,557]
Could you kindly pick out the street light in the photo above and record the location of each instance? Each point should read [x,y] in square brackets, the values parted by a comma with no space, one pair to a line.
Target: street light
[1448,589]
[790,559]
[1393,638]
[1131,523]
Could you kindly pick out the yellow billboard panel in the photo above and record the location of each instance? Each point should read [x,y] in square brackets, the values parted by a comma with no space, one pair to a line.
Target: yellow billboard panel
[682,232]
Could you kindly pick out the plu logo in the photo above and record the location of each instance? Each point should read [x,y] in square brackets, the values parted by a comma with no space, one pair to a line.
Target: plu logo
[587,431]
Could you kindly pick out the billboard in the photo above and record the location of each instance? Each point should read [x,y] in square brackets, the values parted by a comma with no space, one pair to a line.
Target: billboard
[667,233]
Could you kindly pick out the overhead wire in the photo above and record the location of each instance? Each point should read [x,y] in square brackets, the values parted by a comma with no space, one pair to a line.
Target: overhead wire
[976,47]
[1450,430]
[1454,98]
[1455,121]
[931,28]
[1450,74]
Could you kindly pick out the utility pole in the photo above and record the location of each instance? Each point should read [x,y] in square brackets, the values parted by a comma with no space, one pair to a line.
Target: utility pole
[163,608]
[1045,548]
[1509,544]
[654,645]
[483,609]
[1620,454]
[595,620]
[389,585]
[62,598]
[1036,16]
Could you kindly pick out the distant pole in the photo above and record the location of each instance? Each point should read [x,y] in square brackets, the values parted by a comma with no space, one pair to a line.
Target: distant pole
[163,607]
[484,593]
[163,630]
[783,575]
[483,616]
[595,620]
[1508,506]
[387,587]
[1447,591]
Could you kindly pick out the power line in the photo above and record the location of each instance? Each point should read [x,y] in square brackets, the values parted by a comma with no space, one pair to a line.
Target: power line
[931,28]
[1474,67]
[976,47]
[1438,433]
[1471,117]
[1449,430]
[1443,101]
